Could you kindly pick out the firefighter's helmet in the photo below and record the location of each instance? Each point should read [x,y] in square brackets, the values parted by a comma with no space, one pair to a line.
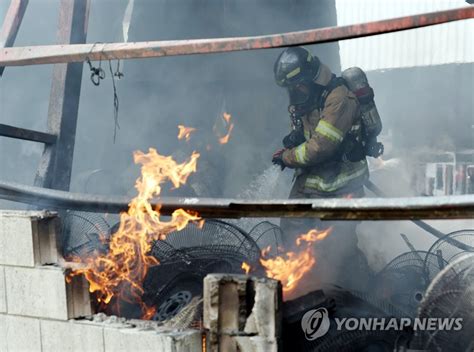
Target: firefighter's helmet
[295,65]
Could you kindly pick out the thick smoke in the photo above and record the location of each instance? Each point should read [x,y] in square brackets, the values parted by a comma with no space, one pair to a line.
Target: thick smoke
[158,94]
[421,107]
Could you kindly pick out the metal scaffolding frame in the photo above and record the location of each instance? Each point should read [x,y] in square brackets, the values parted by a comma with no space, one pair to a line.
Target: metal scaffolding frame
[55,166]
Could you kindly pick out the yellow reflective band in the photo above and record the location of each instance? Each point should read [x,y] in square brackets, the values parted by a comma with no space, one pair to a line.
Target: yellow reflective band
[341,180]
[309,58]
[293,73]
[300,153]
[306,135]
[329,131]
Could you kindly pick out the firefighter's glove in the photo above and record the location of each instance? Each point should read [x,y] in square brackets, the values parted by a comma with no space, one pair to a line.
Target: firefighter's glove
[294,139]
[277,158]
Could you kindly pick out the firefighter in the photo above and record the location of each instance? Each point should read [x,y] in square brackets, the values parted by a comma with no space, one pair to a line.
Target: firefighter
[325,150]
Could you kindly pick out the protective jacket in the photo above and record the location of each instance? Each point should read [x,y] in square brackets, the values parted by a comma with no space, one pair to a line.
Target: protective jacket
[319,170]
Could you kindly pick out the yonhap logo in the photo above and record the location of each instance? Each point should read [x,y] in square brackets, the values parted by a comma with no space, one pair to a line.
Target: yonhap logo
[315,323]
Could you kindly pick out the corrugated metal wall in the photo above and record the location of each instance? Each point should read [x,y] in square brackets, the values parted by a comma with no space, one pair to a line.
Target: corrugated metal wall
[436,45]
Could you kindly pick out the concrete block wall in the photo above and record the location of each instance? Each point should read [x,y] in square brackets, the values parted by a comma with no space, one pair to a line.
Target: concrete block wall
[39,311]
[28,239]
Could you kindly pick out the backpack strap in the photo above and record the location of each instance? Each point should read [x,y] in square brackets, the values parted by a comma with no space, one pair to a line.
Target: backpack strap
[333,84]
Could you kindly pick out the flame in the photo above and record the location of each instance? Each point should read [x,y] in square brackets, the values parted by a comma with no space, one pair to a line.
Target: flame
[313,236]
[229,126]
[246,267]
[185,132]
[291,267]
[148,313]
[122,270]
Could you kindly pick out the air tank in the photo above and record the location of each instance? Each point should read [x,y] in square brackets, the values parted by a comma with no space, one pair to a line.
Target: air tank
[357,82]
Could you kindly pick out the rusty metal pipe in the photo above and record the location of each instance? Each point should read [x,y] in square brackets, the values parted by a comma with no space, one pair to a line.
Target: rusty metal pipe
[53,54]
[449,207]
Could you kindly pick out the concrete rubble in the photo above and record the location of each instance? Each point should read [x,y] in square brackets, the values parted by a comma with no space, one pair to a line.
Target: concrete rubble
[242,313]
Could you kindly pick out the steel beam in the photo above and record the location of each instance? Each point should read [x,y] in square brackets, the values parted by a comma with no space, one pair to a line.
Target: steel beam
[11,24]
[25,134]
[55,166]
[446,207]
[35,55]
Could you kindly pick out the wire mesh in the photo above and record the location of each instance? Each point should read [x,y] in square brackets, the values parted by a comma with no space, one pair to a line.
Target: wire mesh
[450,295]
[449,252]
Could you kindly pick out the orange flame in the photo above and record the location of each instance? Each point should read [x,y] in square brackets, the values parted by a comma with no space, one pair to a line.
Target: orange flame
[246,267]
[313,236]
[148,313]
[229,126]
[291,267]
[185,132]
[122,270]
